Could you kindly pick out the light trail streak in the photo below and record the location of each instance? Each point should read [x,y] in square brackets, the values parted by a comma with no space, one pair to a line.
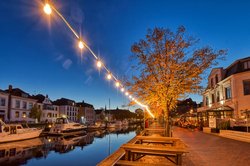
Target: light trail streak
[82,44]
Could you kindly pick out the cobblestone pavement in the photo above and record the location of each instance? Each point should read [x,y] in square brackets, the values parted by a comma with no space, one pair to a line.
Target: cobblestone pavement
[212,150]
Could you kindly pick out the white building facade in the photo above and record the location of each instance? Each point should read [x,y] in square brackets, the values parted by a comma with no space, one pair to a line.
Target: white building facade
[228,92]
[3,105]
[20,108]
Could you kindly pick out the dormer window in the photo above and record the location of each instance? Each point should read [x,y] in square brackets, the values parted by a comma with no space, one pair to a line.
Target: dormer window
[216,79]
[212,82]
[246,65]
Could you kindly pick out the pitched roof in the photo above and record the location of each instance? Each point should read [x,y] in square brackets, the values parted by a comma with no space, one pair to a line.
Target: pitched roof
[236,67]
[83,104]
[17,92]
[64,101]
[40,98]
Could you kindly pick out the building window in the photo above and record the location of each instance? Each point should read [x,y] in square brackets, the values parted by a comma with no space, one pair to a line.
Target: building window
[49,115]
[228,93]
[206,100]
[17,104]
[216,79]
[30,105]
[2,102]
[218,96]
[212,82]
[212,98]
[247,65]
[17,114]
[246,87]
[24,105]
[24,115]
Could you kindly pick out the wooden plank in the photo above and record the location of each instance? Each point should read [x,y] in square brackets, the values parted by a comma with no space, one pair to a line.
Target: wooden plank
[158,138]
[112,159]
[176,150]
[137,163]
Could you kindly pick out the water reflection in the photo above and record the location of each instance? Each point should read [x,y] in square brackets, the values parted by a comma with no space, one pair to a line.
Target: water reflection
[46,150]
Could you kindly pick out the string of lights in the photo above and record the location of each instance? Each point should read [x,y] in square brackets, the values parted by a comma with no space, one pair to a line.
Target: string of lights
[48,9]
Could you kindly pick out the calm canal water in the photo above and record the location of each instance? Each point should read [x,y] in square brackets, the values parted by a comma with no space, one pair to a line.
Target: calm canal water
[84,150]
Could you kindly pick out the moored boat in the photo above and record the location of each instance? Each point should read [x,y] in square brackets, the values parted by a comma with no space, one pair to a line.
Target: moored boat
[110,125]
[16,132]
[63,127]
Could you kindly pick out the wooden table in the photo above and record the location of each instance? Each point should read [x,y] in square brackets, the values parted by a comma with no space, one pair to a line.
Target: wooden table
[136,151]
[155,131]
[158,139]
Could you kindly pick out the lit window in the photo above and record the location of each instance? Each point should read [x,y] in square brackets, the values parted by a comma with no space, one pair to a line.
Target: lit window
[49,115]
[246,87]
[17,114]
[24,115]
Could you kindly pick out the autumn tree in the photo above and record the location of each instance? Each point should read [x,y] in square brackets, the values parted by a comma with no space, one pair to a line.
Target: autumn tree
[169,66]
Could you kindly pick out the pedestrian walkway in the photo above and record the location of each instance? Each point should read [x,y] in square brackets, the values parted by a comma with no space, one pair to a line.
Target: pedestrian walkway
[212,150]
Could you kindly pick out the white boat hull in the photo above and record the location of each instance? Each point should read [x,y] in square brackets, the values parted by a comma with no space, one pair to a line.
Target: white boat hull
[33,133]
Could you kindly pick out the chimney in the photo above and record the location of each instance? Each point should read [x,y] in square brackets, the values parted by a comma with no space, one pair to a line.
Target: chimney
[10,88]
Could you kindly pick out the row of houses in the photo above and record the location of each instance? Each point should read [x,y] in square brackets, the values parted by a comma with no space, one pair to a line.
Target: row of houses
[16,105]
[228,92]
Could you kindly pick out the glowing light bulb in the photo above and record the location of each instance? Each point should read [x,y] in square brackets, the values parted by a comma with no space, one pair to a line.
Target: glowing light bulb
[99,64]
[80,45]
[126,93]
[122,89]
[130,96]
[117,84]
[109,76]
[47,9]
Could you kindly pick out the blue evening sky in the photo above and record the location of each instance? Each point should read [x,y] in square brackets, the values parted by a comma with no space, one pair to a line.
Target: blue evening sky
[39,54]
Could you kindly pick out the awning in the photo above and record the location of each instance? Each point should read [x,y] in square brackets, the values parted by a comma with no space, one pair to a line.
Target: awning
[223,108]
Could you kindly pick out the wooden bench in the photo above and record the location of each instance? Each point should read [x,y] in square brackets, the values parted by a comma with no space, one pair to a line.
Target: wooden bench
[150,131]
[136,151]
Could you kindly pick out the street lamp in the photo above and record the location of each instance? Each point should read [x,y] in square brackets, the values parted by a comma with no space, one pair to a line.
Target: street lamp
[47,9]
[117,84]
[99,64]
[109,76]
[81,44]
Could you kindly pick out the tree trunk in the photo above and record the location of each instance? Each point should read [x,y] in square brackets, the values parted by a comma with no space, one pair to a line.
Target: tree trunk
[167,124]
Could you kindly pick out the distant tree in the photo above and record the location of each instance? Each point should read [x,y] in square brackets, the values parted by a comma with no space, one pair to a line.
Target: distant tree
[140,113]
[35,113]
[170,65]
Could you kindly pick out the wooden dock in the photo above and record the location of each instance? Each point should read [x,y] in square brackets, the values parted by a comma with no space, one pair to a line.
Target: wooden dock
[151,142]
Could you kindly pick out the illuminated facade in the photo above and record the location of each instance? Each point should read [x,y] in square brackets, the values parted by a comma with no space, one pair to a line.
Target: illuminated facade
[228,92]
